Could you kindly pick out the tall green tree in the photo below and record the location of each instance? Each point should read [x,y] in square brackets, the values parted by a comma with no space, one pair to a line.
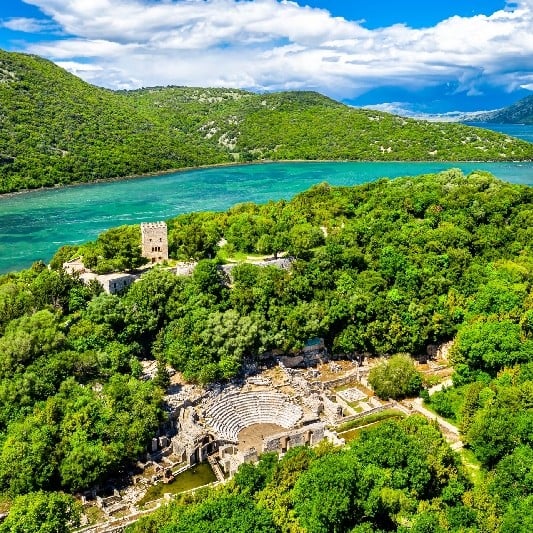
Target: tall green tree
[42,512]
[395,378]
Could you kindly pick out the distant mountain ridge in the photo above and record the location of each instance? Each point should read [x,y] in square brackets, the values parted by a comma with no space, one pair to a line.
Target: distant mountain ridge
[56,129]
[520,112]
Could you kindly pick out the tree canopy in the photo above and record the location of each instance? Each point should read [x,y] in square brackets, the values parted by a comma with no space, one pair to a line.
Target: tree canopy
[395,378]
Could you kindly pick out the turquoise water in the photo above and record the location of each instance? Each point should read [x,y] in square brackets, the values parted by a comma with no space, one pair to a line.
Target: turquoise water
[34,224]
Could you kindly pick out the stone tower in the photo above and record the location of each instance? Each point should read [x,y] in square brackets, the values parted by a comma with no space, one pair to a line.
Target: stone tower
[154,241]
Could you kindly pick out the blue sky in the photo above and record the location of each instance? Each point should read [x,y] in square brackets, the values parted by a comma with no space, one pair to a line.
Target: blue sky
[415,13]
[411,56]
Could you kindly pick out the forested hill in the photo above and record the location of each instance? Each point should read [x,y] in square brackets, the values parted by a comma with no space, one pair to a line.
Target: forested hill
[388,267]
[520,112]
[57,129]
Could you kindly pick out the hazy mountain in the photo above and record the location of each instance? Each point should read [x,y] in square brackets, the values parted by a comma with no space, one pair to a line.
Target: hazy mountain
[520,112]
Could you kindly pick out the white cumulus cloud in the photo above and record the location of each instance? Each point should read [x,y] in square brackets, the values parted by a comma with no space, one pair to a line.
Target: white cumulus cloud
[28,25]
[271,44]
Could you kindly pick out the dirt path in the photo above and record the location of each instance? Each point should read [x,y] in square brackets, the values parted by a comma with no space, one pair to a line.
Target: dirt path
[450,432]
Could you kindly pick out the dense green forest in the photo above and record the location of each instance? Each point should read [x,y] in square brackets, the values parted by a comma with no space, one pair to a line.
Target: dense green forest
[383,268]
[57,129]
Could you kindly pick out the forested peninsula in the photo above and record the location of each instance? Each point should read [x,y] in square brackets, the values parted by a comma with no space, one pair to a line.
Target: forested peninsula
[55,129]
[384,268]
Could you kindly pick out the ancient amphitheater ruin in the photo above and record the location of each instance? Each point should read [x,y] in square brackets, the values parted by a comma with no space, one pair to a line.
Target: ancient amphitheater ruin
[233,412]
[234,423]
[272,409]
[286,402]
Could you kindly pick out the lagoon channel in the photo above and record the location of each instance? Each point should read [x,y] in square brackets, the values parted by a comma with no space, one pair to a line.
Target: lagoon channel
[33,225]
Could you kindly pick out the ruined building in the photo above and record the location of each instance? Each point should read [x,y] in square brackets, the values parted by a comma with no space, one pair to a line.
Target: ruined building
[154,241]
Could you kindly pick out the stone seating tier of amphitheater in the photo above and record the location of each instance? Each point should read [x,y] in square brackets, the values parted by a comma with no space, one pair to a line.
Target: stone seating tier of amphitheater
[229,414]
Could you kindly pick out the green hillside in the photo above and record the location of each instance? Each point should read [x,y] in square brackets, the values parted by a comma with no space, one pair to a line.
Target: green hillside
[520,112]
[402,264]
[57,129]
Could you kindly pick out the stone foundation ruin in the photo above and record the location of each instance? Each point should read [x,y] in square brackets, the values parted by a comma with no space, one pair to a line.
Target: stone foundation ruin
[274,409]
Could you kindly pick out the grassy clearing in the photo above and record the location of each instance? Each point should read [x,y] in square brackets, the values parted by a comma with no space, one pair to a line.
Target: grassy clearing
[354,384]
[94,514]
[193,478]
[233,256]
[375,417]
[431,408]
[430,380]
[472,466]
[353,434]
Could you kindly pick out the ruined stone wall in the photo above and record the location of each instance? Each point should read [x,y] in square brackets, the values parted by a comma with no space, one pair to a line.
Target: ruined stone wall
[350,377]
[306,435]
[368,412]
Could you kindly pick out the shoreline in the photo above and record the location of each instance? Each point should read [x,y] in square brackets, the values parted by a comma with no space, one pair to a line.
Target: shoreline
[279,177]
[239,164]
